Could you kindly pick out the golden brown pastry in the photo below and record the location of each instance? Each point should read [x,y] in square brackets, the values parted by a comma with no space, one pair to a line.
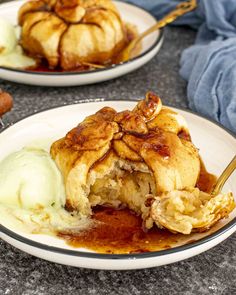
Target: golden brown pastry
[68,33]
[190,210]
[126,158]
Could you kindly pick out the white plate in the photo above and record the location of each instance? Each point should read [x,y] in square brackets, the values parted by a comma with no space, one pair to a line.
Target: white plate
[217,148]
[130,13]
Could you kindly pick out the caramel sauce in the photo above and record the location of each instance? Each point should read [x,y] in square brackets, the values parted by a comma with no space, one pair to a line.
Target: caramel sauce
[183,134]
[121,231]
[206,180]
[118,232]
[42,66]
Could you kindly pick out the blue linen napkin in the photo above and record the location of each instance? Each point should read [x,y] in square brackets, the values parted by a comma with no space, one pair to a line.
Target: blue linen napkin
[209,65]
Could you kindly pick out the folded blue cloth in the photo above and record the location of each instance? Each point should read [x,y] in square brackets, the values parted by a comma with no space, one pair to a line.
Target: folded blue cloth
[209,65]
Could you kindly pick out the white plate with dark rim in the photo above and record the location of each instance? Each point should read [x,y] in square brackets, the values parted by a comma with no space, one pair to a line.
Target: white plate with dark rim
[217,148]
[130,13]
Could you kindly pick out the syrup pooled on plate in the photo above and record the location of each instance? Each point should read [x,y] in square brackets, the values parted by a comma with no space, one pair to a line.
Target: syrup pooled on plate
[121,231]
[43,68]
[206,180]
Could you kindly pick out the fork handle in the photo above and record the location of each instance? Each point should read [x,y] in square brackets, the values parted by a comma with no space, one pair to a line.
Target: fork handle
[180,10]
[224,177]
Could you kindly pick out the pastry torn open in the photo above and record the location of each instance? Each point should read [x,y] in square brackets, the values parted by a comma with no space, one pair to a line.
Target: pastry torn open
[190,210]
[131,158]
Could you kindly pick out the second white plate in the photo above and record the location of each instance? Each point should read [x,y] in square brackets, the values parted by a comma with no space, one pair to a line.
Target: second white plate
[130,13]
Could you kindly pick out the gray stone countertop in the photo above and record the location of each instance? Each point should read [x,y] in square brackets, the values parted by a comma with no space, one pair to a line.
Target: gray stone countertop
[213,272]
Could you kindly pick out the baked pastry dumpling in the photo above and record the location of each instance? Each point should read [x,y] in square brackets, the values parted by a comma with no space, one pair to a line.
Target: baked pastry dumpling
[127,158]
[68,33]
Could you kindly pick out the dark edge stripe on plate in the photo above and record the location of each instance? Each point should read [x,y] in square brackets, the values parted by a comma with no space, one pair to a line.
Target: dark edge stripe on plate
[76,253]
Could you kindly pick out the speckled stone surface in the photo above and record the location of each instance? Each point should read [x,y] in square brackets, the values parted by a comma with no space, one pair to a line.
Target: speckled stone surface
[213,272]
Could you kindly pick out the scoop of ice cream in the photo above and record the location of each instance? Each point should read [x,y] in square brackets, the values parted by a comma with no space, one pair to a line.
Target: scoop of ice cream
[30,179]
[16,59]
[11,54]
[8,38]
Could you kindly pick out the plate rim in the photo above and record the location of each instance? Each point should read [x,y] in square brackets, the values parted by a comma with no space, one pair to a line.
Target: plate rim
[92,255]
[89,72]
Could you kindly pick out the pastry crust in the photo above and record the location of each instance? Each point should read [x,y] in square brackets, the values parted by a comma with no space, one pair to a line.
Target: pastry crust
[123,150]
[190,210]
[68,33]
[143,159]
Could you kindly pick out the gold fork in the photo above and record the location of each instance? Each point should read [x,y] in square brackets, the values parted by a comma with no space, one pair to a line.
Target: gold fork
[180,10]
[126,53]
[224,177]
